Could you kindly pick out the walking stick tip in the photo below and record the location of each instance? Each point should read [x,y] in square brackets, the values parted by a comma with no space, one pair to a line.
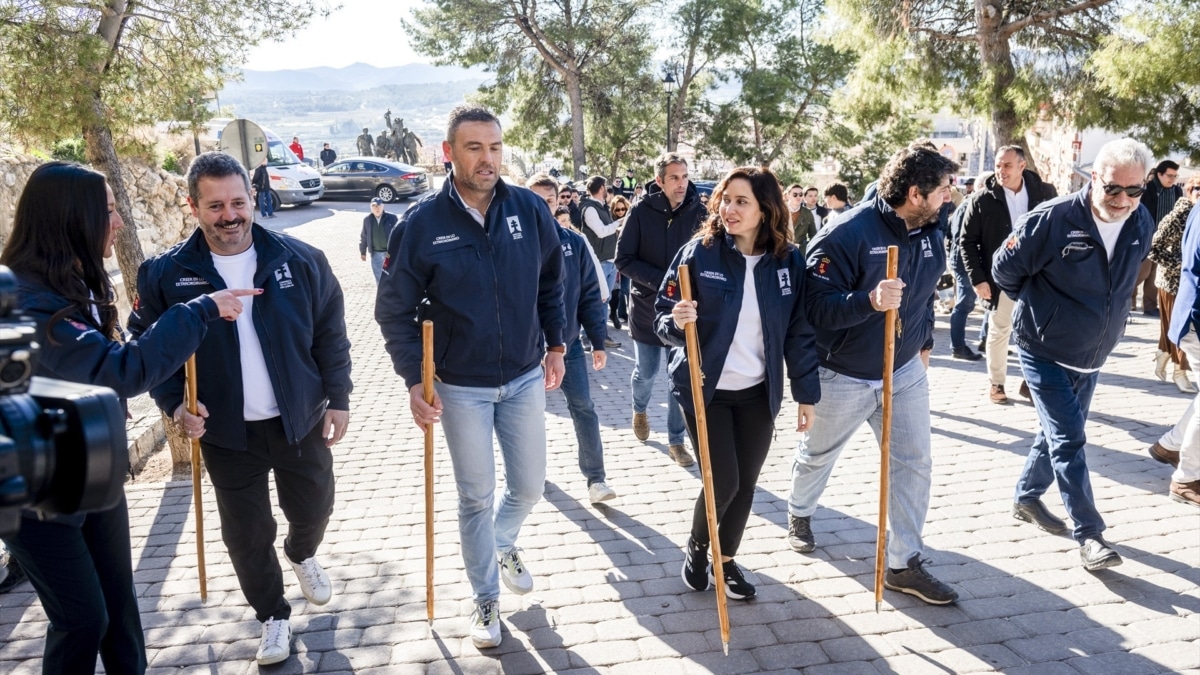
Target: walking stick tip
[725,644]
[877,607]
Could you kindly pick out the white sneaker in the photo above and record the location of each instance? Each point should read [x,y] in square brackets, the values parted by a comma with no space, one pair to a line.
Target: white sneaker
[314,583]
[599,492]
[485,625]
[513,573]
[276,644]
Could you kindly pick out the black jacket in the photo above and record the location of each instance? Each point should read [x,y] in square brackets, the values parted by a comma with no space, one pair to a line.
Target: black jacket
[846,261]
[605,247]
[718,275]
[653,234]
[986,224]
[387,220]
[1071,300]
[261,180]
[494,293]
[299,318]
[328,156]
[1160,200]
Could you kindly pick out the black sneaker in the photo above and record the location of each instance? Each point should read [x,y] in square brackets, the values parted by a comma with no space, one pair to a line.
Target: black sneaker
[800,536]
[916,581]
[736,586]
[1098,554]
[695,562]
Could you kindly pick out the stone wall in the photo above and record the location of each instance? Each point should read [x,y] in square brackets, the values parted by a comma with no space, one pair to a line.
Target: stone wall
[159,199]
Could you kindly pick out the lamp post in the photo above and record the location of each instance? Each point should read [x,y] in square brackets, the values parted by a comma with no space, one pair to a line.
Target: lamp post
[668,87]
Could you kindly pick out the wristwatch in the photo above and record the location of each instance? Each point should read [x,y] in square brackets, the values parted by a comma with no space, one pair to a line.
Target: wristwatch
[558,349]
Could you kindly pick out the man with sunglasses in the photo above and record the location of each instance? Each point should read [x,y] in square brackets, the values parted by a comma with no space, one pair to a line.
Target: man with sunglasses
[1160,196]
[1071,265]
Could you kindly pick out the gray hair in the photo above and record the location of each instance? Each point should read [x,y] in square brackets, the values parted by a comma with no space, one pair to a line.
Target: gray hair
[667,159]
[213,165]
[1014,148]
[1124,152]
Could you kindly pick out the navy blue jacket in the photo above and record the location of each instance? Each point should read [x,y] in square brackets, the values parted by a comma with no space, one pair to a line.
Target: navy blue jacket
[75,350]
[718,275]
[1071,300]
[299,318]
[494,293]
[1185,316]
[652,235]
[581,291]
[846,261]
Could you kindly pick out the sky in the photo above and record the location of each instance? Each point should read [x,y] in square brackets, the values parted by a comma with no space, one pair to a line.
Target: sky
[361,31]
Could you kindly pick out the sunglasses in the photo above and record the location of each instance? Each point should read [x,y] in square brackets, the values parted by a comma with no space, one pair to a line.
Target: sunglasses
[618,212]
[1195,188]
[1113,190]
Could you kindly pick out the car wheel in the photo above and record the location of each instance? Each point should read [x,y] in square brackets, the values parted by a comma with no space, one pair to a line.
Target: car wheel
[386,193]
[275,196]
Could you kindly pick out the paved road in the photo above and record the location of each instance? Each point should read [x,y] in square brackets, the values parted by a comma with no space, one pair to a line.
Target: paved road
[608,598]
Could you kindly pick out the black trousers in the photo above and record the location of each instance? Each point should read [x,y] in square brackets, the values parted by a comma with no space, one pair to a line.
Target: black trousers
[304,482]
[84,577]
[740,428]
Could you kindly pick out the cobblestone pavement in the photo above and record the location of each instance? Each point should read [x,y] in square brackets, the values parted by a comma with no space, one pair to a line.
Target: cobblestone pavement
[608,598]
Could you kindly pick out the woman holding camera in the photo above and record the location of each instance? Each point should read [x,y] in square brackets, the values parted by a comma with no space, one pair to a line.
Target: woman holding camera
[81,565]
[747,281]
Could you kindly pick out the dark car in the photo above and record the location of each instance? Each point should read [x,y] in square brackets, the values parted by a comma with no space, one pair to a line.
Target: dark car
[705,187]
[367,177]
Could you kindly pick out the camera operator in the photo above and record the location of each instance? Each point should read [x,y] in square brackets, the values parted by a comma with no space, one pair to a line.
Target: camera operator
[81,565]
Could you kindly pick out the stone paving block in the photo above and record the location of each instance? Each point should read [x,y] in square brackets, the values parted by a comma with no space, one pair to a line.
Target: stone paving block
[353,659]
[535,662]
[796,655]
[808,630]
[656,666]
[596,654]
[718,663]
[857,648]
[1172,656]
[844,668]
[1045,668]
[326,640]
[567,635]
[1116,663]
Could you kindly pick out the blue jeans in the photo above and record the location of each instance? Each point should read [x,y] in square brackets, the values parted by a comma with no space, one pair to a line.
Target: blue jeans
[609,269]
[377,263]
[266,203]
[488,527]
[645,368]
[577,390]
[1062,398]
[964,302]
[845,405]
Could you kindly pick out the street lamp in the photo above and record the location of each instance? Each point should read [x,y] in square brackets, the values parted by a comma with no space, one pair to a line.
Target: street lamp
[668,87]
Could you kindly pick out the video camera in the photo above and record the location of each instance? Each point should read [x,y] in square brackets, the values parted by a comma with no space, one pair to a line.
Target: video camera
[62,444]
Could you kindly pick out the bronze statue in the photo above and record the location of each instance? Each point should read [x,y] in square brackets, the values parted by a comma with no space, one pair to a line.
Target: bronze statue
[365,143]
[411,143]
[383,145]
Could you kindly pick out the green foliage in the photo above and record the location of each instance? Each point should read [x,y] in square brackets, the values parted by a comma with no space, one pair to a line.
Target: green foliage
[171,163]
[69,150]
[861,152]
[788,78]
[1145,79]
[143,60]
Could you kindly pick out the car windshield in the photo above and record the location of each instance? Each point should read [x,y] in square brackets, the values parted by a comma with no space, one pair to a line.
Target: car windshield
[279,154]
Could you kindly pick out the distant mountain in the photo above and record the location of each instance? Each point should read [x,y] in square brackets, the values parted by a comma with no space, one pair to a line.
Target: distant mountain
[356,77]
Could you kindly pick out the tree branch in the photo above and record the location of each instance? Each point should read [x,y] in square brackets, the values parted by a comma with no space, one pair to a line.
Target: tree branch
[1008,30]
[944,37]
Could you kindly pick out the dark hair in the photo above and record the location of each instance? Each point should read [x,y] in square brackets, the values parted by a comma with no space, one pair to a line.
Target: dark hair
[667,159]
[1165,166]
[213,165]
[595,184]
[542,179]
[810,188]
[562,211]
[794,186]
[775,230]
[917,164]
[1015,148]
[58,237]
[468,113]
[838,190]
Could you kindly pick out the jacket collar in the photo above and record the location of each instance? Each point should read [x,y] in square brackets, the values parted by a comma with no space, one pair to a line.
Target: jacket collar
[895,223]
[196,255]
[451,193]
[657,200]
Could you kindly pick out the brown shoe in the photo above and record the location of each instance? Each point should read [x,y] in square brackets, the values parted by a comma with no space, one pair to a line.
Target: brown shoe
[1024,391]
[1188,493]
[681,456]
[1163,455]
[996,393]
[641,425]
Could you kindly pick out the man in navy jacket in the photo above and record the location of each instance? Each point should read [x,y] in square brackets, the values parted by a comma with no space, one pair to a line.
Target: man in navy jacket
[1071,265]
[847,295]
[482,261]
[274,386]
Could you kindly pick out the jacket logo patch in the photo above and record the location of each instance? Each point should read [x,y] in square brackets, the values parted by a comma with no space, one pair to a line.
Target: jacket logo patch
[878,250]
[1078,234]
[785,282]
[715,276]
[567,251]
[671,289]
[514,227]
[1011,243]
[83,328]
[283,275]
[823,266]
[191,281]
[445,239]
[926,249]
[1076,246]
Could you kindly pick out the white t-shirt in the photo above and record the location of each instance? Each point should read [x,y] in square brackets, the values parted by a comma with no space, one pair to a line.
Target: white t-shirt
[258,396]
[1109,233]
[1018,202]
[746,362]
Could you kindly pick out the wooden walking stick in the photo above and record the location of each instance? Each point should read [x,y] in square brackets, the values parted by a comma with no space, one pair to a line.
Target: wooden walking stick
[193,408]
[710,503]
[885,435]
[427,392]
